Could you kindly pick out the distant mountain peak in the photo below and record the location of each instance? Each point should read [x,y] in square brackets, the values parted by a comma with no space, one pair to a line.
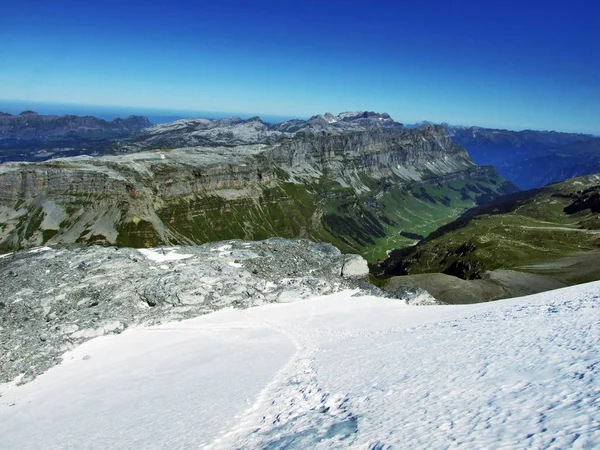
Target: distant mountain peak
[348,120]
[356,115]
[329,117]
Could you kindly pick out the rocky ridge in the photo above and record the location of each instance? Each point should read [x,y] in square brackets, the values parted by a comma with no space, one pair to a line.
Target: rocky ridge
[31,126]
[346,121]
[32,137]
[235,131]
[209,132]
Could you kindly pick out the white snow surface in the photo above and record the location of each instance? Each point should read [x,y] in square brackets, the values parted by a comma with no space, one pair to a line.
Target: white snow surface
[39,249]
[331,372]
[163,254]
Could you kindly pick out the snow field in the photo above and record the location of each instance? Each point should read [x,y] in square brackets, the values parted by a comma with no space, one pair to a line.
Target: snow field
[331,372]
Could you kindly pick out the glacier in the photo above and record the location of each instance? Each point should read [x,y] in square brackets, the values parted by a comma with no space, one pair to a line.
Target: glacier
[345,370]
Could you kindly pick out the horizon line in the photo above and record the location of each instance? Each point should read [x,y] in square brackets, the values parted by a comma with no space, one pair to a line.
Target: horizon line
[265,114]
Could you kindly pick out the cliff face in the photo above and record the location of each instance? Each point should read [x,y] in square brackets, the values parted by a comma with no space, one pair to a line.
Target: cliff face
[354,188]
[374,149]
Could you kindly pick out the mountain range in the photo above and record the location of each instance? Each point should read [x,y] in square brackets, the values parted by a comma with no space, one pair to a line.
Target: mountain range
[358,180]
[31,136]
[530,158]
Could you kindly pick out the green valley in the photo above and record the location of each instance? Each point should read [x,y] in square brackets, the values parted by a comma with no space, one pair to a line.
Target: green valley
[552,231]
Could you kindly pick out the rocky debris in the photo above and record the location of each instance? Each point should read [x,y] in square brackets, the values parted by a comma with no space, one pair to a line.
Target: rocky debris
[414,296]
[63,297]
[355,266]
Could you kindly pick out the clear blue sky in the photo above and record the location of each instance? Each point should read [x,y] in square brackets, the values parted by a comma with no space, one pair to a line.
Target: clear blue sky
[514,64]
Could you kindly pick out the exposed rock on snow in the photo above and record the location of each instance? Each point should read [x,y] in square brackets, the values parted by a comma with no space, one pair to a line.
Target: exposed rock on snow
[355,266]
[53,300]
[414,296]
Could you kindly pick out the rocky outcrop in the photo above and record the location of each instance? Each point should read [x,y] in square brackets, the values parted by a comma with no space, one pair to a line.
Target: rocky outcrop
[55,299]
[585,200]
[355,267]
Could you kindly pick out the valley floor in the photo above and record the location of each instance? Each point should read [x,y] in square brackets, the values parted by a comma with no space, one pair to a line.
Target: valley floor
[331,372]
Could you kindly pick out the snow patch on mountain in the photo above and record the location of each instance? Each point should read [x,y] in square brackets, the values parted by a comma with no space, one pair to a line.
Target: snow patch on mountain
[163,254]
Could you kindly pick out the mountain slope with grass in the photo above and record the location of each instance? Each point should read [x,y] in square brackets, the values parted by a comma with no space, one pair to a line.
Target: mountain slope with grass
[551,232]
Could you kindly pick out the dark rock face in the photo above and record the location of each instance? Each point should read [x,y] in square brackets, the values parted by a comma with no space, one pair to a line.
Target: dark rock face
[33,137]
[589,199]
[30,126]
[467,270]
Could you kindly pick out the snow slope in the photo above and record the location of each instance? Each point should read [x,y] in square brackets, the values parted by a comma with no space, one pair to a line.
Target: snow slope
[331,372]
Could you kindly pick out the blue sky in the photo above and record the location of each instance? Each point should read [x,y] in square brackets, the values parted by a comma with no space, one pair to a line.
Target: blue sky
[514,64]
